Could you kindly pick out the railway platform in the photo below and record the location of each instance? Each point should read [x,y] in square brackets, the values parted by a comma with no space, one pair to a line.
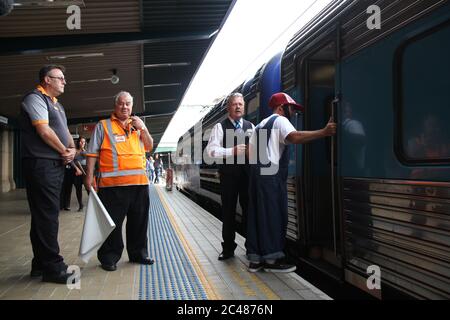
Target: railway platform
[184,240]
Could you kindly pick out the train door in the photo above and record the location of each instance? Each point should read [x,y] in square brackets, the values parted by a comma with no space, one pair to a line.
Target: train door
[321,222]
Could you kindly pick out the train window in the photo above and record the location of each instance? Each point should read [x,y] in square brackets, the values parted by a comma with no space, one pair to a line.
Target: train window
[252,105]
[424,97]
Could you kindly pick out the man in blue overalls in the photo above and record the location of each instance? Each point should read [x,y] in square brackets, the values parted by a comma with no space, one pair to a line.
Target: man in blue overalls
[269,158]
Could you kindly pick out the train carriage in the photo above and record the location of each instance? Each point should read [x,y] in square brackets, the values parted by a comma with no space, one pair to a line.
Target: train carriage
[376,196]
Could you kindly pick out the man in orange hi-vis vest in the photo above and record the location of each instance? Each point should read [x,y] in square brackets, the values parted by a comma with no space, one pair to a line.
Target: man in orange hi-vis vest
[119,143]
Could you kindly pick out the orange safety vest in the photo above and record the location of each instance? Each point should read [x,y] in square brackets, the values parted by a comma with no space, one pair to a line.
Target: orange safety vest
[122,156]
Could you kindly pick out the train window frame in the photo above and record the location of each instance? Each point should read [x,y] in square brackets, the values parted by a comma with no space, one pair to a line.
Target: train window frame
[252,104]
[399,147]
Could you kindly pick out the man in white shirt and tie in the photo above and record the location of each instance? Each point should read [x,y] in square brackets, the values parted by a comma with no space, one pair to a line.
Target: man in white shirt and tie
[228,143]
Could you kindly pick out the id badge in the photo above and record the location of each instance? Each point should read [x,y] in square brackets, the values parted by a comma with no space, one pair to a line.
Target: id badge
[120,138]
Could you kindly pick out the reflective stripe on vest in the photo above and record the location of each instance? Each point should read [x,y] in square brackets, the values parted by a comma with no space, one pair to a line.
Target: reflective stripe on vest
[121,173]
[113,145]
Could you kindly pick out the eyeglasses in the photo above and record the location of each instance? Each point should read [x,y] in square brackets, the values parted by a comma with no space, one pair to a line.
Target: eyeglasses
[62,79]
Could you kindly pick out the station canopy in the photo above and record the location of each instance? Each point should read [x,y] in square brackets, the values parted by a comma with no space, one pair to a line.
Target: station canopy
[151,48]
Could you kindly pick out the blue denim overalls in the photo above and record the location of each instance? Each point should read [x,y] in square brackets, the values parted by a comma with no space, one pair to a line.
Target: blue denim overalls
[268,210]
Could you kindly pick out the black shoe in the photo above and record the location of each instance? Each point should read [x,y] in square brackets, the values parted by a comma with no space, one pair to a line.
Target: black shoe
[255,267]
[36,273]
[80,209]
[226,255]
[146,261]
[67,209]
[279,267]
[109,267]
[57,277]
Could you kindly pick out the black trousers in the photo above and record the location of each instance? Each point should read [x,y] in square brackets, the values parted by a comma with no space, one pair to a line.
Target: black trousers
[233,185]
[157,174]
[43,180]
[78,183]
[66,190]
[132,202]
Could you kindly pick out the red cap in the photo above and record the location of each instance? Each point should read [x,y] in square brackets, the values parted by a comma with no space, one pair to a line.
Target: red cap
[282,98]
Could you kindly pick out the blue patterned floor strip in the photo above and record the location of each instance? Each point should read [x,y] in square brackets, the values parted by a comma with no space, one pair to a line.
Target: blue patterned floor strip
[172,277]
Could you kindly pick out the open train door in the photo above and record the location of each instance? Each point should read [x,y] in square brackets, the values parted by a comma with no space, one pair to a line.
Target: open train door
[319,216]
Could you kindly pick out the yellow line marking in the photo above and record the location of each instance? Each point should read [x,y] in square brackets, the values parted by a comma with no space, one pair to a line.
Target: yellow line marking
[263,288]
[242,283]
[210,290]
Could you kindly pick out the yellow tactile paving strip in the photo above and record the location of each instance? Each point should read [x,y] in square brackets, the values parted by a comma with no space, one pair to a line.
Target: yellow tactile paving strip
[231,279]
[210,291]
[233,273]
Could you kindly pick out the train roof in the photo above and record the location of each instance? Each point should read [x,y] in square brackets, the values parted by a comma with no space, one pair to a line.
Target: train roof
[349,18]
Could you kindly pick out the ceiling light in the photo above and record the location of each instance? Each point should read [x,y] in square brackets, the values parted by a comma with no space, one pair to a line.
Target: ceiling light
[90,80]
[12,96]
[48,3]
[3,120]
[80,55]
[159,115]
[165,65]
[103,111]
[213,33]
[114,79]
[162,85]
[163,100]
[98,98]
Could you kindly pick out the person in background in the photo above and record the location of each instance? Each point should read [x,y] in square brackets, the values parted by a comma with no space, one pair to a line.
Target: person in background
[158,165]
[80,164]
[150,168]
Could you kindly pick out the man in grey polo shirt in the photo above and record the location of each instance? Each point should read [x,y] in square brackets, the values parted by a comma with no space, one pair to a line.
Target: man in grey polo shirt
[47,146]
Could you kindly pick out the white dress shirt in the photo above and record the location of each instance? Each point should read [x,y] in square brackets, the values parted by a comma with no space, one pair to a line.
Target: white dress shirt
[214,147]
[277,142]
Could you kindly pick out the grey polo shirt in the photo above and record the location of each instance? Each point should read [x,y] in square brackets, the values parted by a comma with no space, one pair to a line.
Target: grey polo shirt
[39,108]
